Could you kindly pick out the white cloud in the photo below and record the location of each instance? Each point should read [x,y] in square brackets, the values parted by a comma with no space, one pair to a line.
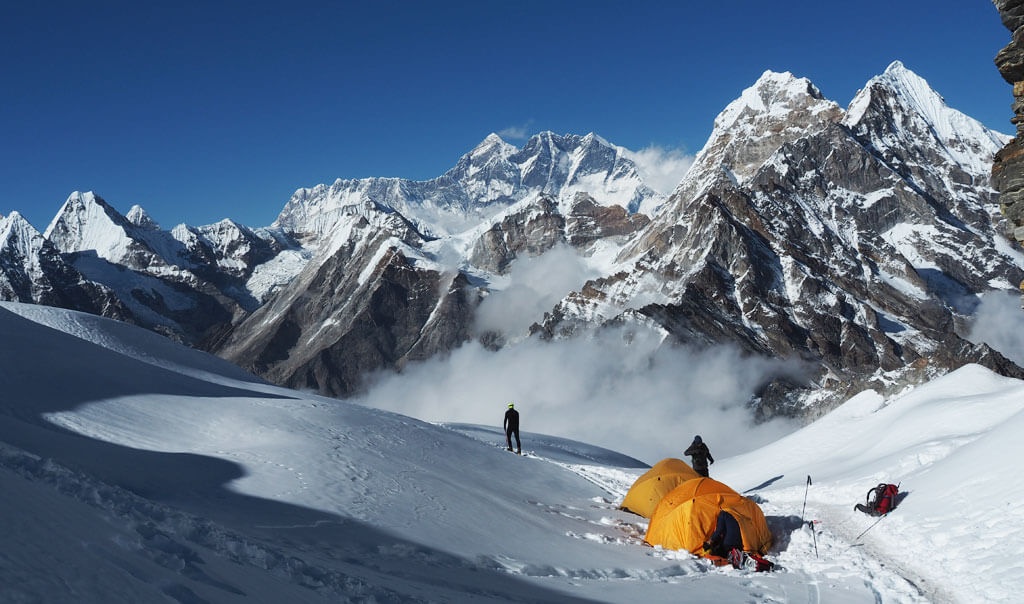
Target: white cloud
[662,169]
[624,390]
[515,133]
[535,285]
[999,322]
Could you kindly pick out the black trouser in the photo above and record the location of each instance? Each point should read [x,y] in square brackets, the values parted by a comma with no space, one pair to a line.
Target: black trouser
[509,432]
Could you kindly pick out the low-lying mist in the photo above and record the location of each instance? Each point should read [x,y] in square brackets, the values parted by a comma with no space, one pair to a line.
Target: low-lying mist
[621,388]
[999,322]
[617,389]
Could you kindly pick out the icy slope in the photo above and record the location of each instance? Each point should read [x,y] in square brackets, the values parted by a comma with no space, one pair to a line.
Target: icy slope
[952,444]
[132,480]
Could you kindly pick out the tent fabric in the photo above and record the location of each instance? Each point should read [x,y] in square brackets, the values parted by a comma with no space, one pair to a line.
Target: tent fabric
[686,516]
[654,484]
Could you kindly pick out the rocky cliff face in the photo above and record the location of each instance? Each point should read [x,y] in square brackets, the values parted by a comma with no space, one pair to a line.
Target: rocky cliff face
[1008,167]
[367,301]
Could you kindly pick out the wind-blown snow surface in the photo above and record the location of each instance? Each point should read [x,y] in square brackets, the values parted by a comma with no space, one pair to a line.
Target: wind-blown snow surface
[134,470]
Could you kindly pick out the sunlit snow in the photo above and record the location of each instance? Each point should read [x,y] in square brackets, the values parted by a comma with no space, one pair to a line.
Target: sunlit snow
[135,470]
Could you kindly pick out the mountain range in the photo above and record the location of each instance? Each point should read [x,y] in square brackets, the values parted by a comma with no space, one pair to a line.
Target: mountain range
[851,243]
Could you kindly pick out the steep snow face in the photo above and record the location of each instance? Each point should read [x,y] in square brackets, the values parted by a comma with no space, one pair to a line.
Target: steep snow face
[31,270]
[913,111]
[20,240]
[493,176]
[87,223]
[488,171]
[21,260]
[138,216]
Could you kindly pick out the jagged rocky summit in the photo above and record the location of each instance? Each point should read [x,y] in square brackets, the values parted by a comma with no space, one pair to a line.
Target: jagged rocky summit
[1008,167]
[854,241]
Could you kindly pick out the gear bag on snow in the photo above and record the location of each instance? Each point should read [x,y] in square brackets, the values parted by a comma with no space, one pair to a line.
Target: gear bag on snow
[750,561]
[880,500]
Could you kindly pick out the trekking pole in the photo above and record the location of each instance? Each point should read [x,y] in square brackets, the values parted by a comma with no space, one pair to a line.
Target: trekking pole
[809,523]
[805,499]
[868,528]
[876,521]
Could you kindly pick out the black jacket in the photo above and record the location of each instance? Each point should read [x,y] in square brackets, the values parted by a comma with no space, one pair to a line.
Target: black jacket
[701,456]
[511,420]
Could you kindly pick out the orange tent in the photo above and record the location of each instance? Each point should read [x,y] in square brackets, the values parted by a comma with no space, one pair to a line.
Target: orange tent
[686,517]
[654,484]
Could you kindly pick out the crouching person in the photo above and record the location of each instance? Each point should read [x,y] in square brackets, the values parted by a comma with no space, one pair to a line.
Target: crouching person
[726,537]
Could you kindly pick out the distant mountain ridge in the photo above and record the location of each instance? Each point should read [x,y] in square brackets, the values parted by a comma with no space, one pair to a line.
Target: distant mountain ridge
[856,241]
[491,177]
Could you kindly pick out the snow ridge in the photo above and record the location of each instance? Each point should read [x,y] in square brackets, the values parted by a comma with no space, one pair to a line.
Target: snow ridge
[491,177]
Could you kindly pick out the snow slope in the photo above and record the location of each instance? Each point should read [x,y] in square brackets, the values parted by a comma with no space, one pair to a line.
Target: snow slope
[134,470]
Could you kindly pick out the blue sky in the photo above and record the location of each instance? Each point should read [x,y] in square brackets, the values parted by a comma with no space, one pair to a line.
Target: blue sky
[199,111]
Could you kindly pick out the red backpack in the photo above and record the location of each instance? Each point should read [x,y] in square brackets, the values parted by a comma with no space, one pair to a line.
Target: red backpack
[882,499]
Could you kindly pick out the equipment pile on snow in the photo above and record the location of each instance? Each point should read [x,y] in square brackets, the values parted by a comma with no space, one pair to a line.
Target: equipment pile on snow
[880,500]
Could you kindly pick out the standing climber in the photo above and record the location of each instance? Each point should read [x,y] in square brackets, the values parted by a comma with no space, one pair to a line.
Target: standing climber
[512,428]
[700,454]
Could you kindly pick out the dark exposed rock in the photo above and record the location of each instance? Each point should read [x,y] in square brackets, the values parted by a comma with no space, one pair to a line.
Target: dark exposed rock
[589,221]
[532,230]
[1008,167]
[359,309]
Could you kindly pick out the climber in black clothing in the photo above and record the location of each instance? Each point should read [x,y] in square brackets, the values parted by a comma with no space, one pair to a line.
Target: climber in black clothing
[512,428]
[700,454]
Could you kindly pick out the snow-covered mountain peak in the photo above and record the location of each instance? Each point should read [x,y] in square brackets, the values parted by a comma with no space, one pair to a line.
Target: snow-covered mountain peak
[493,176]
[492,146]
[778,108]
[14,215]
[85,222]
[489,156]
[897,81]
[138,216]
[17,232]
[773,96]
[899,105]
[491,141]
[909,91]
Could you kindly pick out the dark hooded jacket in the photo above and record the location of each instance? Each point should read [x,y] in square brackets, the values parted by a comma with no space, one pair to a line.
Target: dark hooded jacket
[727,535]
[701,456]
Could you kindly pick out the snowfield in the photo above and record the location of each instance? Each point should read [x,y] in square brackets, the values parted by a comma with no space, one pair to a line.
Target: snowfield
[136,470]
